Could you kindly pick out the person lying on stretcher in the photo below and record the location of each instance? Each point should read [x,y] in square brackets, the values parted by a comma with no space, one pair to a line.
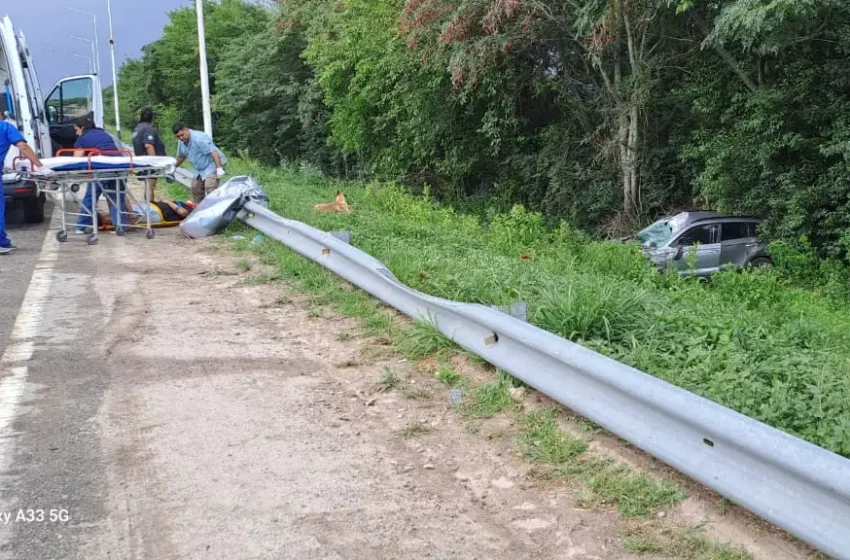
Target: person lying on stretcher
[163,211]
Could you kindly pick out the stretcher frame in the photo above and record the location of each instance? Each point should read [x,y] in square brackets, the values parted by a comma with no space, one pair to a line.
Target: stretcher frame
[113,185]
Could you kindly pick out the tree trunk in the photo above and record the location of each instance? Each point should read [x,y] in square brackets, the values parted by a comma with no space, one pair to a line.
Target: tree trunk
[623,133]
[628,113]
[632,161]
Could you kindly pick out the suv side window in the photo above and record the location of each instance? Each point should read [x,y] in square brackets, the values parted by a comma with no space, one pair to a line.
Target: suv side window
[733,231]
[704,235]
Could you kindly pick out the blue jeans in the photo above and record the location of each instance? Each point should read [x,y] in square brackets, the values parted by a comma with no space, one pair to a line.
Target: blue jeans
[4,241]
[114,209]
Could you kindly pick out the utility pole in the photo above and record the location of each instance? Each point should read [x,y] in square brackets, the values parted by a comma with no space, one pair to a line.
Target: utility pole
[114,71]
[205,75]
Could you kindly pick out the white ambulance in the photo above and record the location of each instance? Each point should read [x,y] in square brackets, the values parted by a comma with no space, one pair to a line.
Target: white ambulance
[45,122]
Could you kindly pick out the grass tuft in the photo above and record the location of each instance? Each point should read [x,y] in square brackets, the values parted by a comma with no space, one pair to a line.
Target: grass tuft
[545,443]
[587,309]
[415,429]
[244,265]
[416,391]
[687,542]
[447,376]
[422,339]
[561,456]
[634,494]
[489,399]
[389,380]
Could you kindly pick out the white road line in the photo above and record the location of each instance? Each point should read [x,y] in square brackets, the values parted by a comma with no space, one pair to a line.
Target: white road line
[13,363]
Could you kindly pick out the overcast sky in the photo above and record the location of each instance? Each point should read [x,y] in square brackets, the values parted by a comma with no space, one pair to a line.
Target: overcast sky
[47,24]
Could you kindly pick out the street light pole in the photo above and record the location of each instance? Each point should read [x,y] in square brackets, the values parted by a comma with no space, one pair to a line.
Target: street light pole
[205,75]
[114,72]
[91,68]
[96,44]
[90,42]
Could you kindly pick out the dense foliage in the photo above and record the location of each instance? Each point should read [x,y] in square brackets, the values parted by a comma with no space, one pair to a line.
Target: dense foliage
[602,112]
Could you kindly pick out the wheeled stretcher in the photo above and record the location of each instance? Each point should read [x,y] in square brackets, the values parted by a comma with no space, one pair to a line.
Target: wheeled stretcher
[66,179]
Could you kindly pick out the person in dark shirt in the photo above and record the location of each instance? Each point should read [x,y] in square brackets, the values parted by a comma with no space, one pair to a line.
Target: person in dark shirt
[174,211]
[96,141]
[89,138]
[148,142]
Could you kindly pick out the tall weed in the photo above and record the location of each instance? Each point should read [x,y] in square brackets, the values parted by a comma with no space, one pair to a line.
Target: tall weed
[586,309]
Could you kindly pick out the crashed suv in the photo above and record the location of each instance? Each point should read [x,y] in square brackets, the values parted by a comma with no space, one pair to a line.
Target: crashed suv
[701,243]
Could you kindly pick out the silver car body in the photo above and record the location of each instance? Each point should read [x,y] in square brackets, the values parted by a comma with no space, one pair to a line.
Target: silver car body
[701,243]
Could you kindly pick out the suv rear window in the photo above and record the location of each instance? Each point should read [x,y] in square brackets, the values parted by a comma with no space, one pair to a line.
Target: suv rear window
[737,230]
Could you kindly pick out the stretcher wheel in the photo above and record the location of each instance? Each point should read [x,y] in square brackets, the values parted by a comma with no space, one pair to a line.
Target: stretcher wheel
[93,240]
[62,236]
[169,180]
[150,234]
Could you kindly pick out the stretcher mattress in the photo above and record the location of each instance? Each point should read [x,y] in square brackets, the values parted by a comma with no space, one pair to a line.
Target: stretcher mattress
[105,163]
[156,225]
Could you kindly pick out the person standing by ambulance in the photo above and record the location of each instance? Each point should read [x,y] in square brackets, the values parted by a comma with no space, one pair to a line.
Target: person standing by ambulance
[11,136]
[147,142]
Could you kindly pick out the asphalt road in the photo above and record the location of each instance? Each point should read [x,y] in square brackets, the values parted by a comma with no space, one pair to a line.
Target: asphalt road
[50,388]
[16,269]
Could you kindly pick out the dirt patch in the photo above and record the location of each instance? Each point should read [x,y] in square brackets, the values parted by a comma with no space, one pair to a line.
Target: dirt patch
[230,432]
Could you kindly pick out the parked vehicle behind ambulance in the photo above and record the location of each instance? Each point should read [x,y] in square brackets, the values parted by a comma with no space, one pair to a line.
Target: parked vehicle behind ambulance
[45,122]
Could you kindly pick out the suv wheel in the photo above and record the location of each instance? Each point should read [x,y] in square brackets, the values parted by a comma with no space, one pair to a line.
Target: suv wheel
[761,262]
[34,210]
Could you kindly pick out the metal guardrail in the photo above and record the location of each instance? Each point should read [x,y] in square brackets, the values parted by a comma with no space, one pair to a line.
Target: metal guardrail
[184,177]
[798,486]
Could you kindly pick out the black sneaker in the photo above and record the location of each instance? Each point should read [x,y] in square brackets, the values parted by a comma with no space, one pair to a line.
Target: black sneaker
[7,250]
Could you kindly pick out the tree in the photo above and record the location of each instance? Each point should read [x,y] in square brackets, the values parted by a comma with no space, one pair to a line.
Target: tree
[167,75]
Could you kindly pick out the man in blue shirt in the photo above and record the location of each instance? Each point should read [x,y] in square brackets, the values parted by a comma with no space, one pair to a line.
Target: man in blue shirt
[96,141]
[11,136]
[207,160]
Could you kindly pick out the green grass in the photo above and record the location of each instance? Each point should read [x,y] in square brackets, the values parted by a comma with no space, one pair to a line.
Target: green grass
[601,481]
[244,265]
[681,543]
[545,443]
[421,340]
[489,399]
[447,376]
[749,341]
[636,494]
